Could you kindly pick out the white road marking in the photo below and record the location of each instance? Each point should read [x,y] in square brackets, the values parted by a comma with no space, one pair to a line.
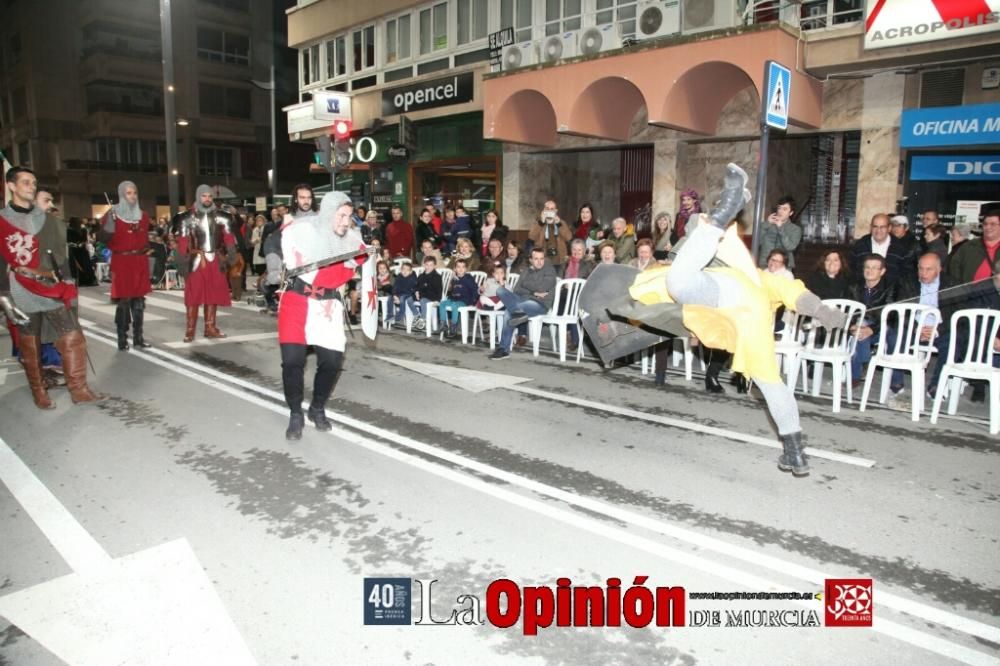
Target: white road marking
[747,580]
[752,557]
[3,376]
[250,337]
[109,308]
[476,381]
[242,305]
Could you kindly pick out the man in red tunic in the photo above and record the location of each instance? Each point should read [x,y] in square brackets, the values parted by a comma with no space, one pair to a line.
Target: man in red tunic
[125,229]
[206,246]
[399,235]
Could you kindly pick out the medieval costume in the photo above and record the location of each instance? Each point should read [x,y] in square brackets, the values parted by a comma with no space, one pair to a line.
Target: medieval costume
[80,265]
[311,312]
[33,259]
[206,246]
[125,230]
[728,305]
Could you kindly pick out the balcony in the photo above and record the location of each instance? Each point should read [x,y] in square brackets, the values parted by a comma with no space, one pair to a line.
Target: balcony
[95,165]
[141,13]
[107,63]
[116,120]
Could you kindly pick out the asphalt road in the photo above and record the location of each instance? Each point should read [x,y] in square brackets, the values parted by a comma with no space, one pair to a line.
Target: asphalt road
[568,472]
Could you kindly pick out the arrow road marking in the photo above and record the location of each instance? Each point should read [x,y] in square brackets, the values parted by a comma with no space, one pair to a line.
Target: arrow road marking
[174,363]
[153,607]
[477,381]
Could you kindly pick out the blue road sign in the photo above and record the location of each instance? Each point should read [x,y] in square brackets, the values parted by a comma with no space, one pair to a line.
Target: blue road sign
[779,79]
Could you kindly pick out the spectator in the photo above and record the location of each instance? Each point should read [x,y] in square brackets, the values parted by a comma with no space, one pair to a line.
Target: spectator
[495,255]
[447,226]
[515,260]
[463,227]
[909,247]
[830,279]
[606,253]
[488,299]
[587,224]
[428,290]
[879,242]
[465,250]
[80,264]
[934,241]
[463,291]
[273,267]
[383,283]
[779,232]
[359,215]
[551,235]
[875,291]
[426,230]
[929,217]
[399,235]
[403,288]
[623,241]
[661,236]
[960,233]
[776,263]
[259,263]
[492,228]
[644,255]
[436,220]
[371,230]
[926,288]
[427,249]
[577,265]
[690,205]
[533,295]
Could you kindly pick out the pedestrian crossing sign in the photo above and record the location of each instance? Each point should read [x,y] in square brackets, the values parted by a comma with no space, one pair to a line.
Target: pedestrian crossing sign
[776,97]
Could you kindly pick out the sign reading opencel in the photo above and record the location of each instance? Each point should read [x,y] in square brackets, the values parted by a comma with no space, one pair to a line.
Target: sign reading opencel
[450,90]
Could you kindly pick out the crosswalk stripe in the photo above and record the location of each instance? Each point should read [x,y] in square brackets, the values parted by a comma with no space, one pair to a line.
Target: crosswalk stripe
[250,337]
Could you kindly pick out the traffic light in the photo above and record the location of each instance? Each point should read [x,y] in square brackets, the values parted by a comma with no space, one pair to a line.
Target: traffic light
[341,144]
[342,130]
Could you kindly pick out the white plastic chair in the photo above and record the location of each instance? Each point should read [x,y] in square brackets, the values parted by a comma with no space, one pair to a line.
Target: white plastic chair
[103,272]
[976,361]
[172,279]
[466,310]
[566,302]
[834,346]
[383,304]
[908,353]
[790,343]
[511,281]
[684,355]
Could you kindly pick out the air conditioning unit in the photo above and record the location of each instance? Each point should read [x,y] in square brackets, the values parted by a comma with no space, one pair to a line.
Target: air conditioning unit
[558,47]
[702,15]
[518,55]
[598,39]
[658,18]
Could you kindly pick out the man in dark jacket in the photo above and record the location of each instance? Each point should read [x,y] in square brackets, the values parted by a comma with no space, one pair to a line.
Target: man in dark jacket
[909,248]
[875,291]
[533,296]
[879,242]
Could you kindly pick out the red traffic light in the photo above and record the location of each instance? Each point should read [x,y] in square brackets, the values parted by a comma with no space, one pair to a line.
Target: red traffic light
[342,130]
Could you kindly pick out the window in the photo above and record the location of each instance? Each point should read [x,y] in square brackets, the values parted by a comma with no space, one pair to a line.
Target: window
[517,14]
[214,161]
[397,39]
[364,48]
[562,15]
[310,65]
[221,101]
[472,20]
[336,58]
[218,46]
[621,12]
[434,28]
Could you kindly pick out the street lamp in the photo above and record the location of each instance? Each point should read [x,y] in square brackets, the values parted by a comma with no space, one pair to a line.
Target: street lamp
[169,110]
[273,172]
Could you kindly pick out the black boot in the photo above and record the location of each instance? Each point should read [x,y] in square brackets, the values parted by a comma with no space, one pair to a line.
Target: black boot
[740,382]
[138,307]
[715,363]
[793,459]
[318,416]
[296,422]
[121,323]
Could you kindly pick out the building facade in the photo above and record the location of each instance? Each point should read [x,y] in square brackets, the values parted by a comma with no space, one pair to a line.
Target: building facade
[624,104]
[81,97]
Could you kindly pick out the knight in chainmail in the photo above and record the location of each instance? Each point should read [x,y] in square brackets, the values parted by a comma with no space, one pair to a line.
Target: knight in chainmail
[311,312]
[33,262]
[207,245]
[125,230]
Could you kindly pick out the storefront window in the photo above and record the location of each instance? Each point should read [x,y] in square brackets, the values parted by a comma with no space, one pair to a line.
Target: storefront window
[434,28]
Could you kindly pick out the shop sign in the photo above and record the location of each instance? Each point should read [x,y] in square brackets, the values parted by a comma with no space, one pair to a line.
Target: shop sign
[399,153]
[498,42]
[950,126]
[955,167]
[891,23]
[382,199]
[331,105]
[428,95]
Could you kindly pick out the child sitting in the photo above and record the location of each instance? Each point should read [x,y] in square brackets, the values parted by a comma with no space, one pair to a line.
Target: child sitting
[402,291]
[429,286]
[383,282]
[488,298]
[462,292]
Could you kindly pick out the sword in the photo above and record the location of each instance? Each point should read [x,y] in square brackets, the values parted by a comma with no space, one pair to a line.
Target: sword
[293,273]
[57,272]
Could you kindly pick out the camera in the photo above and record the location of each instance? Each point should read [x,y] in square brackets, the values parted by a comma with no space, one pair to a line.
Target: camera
[548,215]
[551,252]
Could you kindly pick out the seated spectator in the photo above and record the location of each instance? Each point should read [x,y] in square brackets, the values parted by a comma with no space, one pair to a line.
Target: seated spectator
[662,228]
[606,252]
[492,229]
[488,298]
[428,290]
[777,263]
[959,234]
[934,241]
[909,247]
[577,265]
[644,256]
[403,288]
[533,295]
[465,250]
[588,227]
[383,283]
[551,234]
[874,291]
[427,249]
[495,255]
[463,291]
[623,241]
[879,242]
[515,260]
[830,279]
[690,206]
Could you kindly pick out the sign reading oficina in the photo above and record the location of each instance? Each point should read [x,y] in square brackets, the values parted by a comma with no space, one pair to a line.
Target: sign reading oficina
[969,125]
[455,89]
[900,22]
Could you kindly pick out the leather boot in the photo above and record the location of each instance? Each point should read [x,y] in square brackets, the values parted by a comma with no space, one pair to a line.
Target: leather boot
[318,416]
[73,347]
[31,360]
[138,308]
[734,197]
[296,422]
[715,364]
[121,324]
[793,459]
[211,330]
[192,321]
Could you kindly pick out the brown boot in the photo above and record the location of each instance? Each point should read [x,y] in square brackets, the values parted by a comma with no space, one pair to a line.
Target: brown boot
[31,360]
[192,321]
[73,347]
[211,330]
